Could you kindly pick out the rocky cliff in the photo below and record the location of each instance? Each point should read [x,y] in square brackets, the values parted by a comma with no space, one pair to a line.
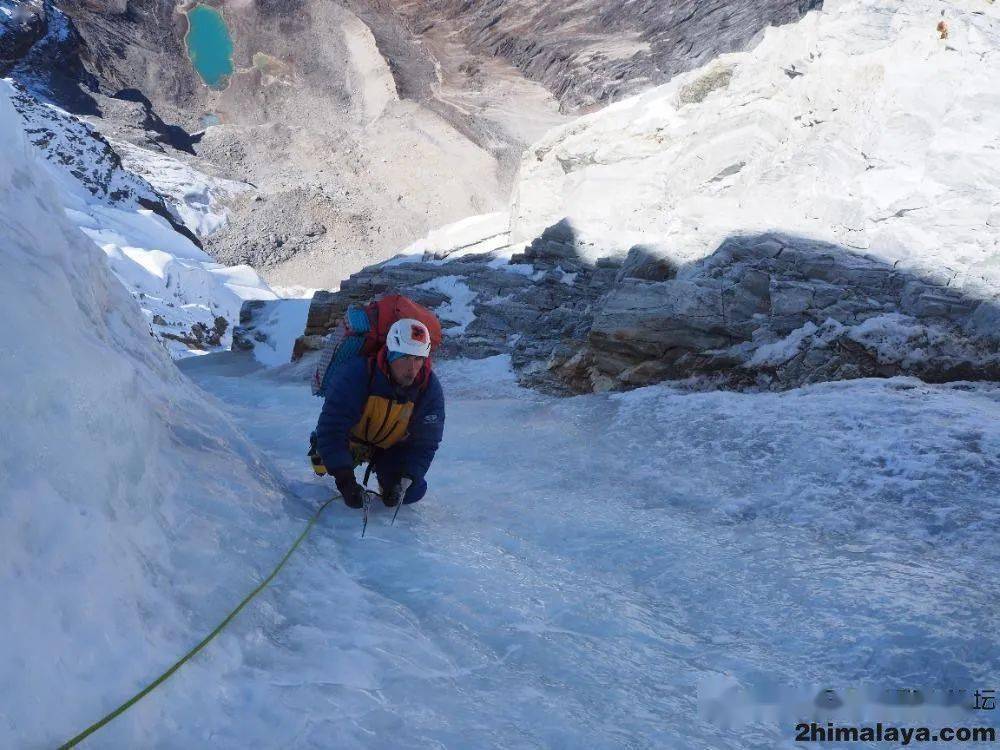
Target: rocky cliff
[763,311]
[598,51]
[821,207]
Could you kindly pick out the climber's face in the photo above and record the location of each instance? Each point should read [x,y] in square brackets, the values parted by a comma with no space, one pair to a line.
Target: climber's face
[405,369]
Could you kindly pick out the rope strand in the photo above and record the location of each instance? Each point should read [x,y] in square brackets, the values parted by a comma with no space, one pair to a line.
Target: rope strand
[204,642]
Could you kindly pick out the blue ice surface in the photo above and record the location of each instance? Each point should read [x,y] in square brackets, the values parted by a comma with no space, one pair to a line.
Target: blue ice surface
[580,564]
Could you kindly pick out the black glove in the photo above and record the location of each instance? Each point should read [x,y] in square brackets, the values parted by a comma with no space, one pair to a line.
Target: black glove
[393,494]
[349,488]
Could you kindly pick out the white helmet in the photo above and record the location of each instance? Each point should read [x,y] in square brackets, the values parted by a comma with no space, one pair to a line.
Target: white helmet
[409,336]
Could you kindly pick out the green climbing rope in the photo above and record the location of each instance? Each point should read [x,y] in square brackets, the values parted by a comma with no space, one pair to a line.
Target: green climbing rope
[205,641]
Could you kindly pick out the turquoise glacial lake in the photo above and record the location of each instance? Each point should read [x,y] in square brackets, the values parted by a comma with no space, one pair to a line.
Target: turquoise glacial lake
[209,46]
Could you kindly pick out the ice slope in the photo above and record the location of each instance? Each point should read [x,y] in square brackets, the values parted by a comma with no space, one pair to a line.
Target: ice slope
[580,564]
[180,288]
[131,510]
[869,124]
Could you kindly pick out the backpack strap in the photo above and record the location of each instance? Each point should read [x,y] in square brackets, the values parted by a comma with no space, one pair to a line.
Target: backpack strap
[372,335]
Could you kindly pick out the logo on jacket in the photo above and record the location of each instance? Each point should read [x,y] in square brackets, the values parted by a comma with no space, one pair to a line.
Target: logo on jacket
[430,418]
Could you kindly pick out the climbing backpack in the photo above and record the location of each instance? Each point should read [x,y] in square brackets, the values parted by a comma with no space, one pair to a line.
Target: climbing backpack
[362,331]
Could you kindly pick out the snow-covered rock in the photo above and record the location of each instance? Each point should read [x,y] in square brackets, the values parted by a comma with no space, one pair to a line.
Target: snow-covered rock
[763,311]
[862,125]
[196,198]
[470,236]
[131,509]
[269,329]
[88,157]
[190,301]
[730,314]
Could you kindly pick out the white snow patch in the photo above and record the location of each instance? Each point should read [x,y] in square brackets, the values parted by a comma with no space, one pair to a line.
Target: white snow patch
[403,259]
[896,337]
[176,284]
[892,337]
[783,350]
[459,308]
[294,292]
[567,278]
[280,322]
[484,233]
[522,269]
[198,198]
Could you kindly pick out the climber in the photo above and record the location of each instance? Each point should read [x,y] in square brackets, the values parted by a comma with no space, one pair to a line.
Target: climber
[386,410]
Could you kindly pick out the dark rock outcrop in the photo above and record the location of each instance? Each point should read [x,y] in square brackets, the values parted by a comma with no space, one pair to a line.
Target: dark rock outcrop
[138,44]
[779,311]
[245,334]
[763,311]
[52,66]
[172,135]
[19,31]
[200,336]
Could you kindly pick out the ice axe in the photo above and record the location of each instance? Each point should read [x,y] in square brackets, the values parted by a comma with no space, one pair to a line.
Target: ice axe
[404,485]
